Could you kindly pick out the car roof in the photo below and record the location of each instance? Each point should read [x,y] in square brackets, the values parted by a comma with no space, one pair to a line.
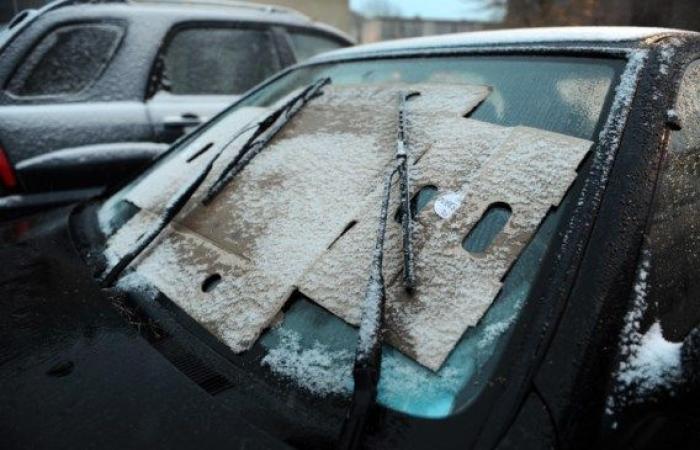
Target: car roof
[258,12]
[506,37]
[202,10]
[265,12]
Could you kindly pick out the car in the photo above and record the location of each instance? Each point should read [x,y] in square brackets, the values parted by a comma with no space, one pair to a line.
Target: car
[92,91]
[480,240]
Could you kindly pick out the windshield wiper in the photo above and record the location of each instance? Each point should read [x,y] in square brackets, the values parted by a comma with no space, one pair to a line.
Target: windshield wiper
[368,354]
[180,199]
[268,128]
[404,179]
[174,206]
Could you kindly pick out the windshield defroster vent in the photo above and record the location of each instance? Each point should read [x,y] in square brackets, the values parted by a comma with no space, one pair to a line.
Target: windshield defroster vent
[184,360]
[194,368]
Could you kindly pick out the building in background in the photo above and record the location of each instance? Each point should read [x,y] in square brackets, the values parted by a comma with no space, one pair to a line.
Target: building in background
[683,14]
[333,12]
[379,25]
[383,23]
[377,20]
[383,20]
[372,29]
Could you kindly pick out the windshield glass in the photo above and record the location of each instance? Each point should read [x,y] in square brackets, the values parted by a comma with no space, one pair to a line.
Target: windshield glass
[565,95]
[311,349]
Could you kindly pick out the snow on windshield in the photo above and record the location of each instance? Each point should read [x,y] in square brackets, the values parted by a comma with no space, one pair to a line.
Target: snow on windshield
[302,216]
[527,169]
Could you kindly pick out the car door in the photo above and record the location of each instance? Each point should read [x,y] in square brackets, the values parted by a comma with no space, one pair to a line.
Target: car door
[55,91]
[657,378]
[202,69]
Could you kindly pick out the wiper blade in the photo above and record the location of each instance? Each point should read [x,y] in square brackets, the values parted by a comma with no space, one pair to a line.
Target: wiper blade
[267,129]
[402,154]
[368,354]
[369,346]
[180,199]
[174,206]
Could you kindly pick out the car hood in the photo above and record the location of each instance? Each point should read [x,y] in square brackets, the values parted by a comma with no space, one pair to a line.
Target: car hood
[72,363]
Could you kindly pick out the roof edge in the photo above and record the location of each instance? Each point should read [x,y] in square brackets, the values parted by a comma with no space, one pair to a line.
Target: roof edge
[514,36]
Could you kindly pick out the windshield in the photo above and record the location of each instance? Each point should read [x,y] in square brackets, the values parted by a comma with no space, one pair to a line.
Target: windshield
[311,349]
[565,95]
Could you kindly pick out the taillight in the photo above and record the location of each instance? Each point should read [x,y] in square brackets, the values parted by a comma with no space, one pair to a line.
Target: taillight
[7,173]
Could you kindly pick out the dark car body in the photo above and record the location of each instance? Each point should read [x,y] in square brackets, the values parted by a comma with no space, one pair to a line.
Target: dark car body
[82,81]
[83,366]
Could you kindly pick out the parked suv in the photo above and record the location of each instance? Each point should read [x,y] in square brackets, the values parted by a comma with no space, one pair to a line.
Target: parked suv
[89,93]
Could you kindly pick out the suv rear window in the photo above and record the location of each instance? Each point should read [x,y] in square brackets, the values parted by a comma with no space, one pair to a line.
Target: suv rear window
[66,61]
[307,45]
[231,60]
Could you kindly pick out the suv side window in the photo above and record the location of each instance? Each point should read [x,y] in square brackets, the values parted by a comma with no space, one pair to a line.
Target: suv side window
[66,60]
[307,44]
[674,237]
[216,61]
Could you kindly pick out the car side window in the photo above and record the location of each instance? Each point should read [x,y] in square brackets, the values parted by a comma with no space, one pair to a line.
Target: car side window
[306,44]
[215,61]
[66,60]
[674,237]
[687,139]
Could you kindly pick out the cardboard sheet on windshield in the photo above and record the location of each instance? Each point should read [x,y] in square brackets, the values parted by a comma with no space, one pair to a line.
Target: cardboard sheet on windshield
[303,216]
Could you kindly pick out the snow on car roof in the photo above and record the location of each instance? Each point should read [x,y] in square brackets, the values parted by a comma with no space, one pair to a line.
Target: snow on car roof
[231,5]
[203,10]
[506,37]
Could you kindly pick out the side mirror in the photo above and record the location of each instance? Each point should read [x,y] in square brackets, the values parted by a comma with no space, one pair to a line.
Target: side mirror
[87,166]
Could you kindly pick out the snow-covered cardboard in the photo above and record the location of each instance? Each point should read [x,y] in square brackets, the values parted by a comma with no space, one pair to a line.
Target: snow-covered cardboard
[528,169]
[283,223]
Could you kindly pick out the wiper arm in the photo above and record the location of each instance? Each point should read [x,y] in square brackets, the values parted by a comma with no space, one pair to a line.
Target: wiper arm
[180,199]
[368,353]
[268,128]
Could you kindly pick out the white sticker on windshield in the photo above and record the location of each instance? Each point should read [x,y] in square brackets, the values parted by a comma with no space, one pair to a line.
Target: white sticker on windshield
[447,204]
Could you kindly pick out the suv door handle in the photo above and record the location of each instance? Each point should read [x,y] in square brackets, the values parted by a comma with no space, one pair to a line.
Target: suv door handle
[182,121]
